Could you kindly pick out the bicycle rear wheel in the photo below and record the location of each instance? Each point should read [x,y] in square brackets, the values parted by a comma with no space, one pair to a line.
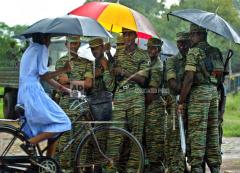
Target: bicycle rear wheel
[10,140]
[114,155]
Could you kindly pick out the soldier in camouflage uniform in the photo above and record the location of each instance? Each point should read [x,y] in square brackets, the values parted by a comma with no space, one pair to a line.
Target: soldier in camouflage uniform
[155,119]
[81,75]
[203,134]
[131,74]
[175,72]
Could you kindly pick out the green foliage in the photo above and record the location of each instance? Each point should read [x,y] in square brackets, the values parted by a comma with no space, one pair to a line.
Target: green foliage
[6,37]
[1,103]
[231,123]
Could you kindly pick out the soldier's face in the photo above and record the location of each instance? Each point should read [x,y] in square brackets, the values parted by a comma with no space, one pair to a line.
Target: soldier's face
[73,46]
[183,46]
[194,38]
[153,51]
[129,38]
[97,51]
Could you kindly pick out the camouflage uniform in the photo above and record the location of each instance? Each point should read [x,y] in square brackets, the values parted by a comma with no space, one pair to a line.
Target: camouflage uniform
[129,98]
[202,113]
[154,121]
[81,69]
[174,157]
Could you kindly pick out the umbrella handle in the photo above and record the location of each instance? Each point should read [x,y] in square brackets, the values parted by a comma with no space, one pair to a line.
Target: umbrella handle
[229,55]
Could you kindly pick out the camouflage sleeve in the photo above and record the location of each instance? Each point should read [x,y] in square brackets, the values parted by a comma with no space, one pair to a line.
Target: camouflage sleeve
[170,70]
[143,63]
[109,80]
[60,63]
[193,56]
[156,74]
[89,70]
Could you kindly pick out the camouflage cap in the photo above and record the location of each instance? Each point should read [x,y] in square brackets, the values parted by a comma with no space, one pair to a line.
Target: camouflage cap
[96,42]
[154,42]
[120,40]
[74,38]
[196,28]
[182,36]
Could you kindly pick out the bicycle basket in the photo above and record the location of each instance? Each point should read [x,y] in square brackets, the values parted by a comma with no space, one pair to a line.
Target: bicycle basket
[101,105]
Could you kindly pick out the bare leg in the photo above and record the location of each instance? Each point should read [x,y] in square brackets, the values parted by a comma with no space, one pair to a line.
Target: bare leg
[52,144]
[41,137]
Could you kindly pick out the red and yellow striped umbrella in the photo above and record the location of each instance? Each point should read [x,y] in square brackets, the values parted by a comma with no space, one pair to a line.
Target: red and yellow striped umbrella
[114,17]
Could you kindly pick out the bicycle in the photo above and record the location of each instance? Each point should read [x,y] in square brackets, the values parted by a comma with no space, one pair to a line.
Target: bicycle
[91,155]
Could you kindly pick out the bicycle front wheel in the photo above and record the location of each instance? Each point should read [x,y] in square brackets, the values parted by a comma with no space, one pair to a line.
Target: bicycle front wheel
[109,150]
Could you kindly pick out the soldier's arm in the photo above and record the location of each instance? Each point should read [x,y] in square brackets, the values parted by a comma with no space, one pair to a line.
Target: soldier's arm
[135,77]
[171,76]
[103,67]
[190,68]
[154,80]
[49,75]
[62,78]
[86,83]
[187,84]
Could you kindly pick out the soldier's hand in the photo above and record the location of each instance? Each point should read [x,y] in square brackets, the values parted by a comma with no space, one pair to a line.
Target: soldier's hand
[104,64]
[67,67]
[63,79]
[117,71]
[107,47]
[180,109]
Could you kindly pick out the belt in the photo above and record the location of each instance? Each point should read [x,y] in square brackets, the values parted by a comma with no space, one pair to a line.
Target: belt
[127,86]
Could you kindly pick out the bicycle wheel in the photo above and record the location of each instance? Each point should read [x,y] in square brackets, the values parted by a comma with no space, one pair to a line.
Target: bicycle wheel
[10,141]
[10,146]
[111,153]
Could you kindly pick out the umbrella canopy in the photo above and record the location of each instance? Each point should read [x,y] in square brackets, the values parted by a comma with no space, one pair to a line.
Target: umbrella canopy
[67,25]
[169,48]
[210,21]
[114,17]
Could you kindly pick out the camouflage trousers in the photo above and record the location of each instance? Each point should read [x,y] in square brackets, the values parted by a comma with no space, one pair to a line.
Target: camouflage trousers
[66,159]
[154,136]
[203,132]
[175,160]
[129,107]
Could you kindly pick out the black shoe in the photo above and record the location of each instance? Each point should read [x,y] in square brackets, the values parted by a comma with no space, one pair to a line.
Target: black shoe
[29,149]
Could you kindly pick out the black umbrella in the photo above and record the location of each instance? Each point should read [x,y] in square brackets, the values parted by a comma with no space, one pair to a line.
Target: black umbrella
[210,21]
[67,25]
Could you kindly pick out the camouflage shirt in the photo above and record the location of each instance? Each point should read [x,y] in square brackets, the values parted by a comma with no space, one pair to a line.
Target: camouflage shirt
[99,84]
[134,63]
[195,62]
[175,67]
[155,73]
[81,69]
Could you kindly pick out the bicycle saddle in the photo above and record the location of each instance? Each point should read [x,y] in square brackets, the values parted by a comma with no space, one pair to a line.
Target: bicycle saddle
[19,109]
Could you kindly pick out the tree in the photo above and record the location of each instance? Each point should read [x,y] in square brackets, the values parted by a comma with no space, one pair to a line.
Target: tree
[6,37]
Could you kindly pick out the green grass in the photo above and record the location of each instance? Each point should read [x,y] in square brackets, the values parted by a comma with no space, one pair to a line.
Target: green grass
[231,123]
[1,103]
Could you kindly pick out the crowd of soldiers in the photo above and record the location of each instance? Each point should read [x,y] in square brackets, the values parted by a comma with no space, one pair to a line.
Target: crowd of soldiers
[150,94]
